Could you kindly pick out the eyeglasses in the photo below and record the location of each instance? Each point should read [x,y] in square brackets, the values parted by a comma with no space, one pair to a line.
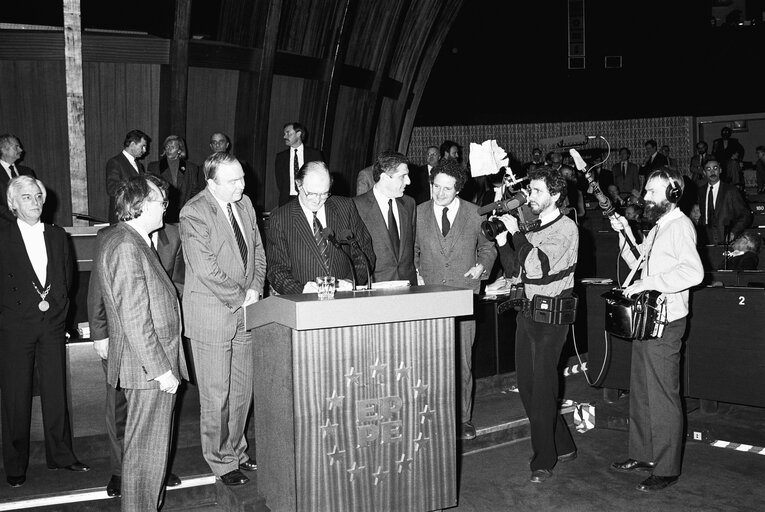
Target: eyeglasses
[712,167]
[316,195]
[164,202]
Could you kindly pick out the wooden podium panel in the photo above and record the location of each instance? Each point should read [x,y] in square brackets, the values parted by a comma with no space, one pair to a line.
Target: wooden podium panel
[359,416]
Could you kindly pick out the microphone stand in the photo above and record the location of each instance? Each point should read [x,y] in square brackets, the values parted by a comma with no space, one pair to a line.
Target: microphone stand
[351,239]
[329,234]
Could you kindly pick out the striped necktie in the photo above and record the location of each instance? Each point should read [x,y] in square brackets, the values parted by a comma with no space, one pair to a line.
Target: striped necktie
[238,235]
[320,241]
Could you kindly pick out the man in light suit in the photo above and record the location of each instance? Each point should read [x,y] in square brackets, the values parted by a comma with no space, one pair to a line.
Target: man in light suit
[167,241]
[145,354]
[225,271]
[35,280]
[289,161]
[298,249]
[124,165]
[11,152]
[389,217]
[730,214]
[451,250]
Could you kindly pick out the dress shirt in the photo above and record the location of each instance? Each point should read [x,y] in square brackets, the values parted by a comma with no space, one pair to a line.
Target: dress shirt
[34,242]
[301,161]
[321,215]
[451,214]
[382,202]
[132,161]
[224,207]
[7,169]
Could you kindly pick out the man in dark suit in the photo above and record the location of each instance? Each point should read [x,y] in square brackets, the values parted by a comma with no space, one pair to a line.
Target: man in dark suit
[389,217]
[625,175]
[696,166]
[35,280]
[123,166]
[298,250]
[724,147]
[729,214]
[10,153]
[184,177]
[145,355]
[289,161]
[167,241]
[451,250]
[654,160]
[225,272]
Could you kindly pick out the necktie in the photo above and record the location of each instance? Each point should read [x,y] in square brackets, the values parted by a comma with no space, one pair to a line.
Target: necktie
[295,164]
[238,235]
[320,241]
[393,229]
[624,169]
[445,222]
[710,208]
[153,247]
[13,171]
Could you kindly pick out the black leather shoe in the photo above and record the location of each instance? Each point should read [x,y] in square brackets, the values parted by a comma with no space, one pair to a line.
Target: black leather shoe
[234,478]
[173,480]
[76,466]
[540,475]
[248,465]
[632,466]
[16,481]
[656,483]
[467,431]
[567,457]
[114,487]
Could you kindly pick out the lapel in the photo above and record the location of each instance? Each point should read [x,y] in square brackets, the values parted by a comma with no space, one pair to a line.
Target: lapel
[153,260]
[49,251]
[126,163]
[720,198]
[375,212]
[220,216]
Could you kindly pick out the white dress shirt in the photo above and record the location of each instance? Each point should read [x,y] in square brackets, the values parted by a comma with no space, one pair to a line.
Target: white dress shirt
[382,202]
[34,242]
[301,161]
[451,214]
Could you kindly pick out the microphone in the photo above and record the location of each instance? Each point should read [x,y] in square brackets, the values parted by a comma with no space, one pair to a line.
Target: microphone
[329,235]
[505,205]
[578,160]
[346,236]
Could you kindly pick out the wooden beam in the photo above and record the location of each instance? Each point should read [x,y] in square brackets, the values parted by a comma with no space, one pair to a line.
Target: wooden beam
[174,83]
[75,109]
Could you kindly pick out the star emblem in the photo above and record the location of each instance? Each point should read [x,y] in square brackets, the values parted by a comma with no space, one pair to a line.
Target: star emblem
[420,388]
[335,400]
[380,475]
[420,441]
[329,429]
[426,414]
[336,455]
[377,367]
[355,470]
[403,371]
[353,377]
[404,463]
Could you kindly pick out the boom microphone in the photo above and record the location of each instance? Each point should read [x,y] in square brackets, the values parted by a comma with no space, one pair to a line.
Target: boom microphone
[578,160]
[505,205]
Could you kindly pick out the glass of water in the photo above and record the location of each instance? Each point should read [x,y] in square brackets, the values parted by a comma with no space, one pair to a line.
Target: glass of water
[326,285]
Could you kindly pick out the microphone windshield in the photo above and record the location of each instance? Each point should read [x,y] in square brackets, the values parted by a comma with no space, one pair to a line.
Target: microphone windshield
[578,160]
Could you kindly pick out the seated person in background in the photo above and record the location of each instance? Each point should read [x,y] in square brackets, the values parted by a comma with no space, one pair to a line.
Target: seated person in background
[616,198]
[695,214]
[745,252]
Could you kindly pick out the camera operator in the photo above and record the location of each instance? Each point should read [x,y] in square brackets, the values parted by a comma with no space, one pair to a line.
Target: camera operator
[547,259]
[670,265]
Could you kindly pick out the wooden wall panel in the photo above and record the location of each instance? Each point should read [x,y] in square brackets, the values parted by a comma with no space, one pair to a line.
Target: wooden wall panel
[118,98]
[369,33]
[305,26]
[33,107]
[211,108]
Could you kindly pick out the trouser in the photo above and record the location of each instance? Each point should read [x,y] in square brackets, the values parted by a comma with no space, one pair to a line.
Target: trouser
[466,338]
[537,352]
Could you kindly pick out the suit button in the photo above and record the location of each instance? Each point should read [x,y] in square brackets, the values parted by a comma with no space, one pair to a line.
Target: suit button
[18,302]
[10,275]
[14,289]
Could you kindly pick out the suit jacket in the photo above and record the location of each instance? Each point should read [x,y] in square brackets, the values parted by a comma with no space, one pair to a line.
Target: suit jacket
[18,299]
[171,258]
[419,188]
[390,266]
[216,278]
[284,164]
[723,154]
[142,311]
[5,212]
[444,260]
[293,254]
[628,183]
[118,168]
[732,214]
[190,182]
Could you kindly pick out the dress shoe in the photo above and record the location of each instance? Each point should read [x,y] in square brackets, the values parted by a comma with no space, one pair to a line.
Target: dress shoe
[656,483]
[632,466]
[234,478]
[567,457]
[75,466]
[173,480]
[468,431]
[16,481]
[540,475]
[248,465]
[114,487]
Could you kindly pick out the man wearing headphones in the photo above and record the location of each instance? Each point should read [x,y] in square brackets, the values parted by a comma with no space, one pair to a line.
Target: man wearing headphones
[670,265]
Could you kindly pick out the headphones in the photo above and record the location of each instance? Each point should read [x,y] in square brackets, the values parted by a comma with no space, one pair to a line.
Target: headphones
[673,192]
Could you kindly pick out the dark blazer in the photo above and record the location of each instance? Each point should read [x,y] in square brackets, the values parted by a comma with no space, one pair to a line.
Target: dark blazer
[419,188]
[190,182]
[284,164]
[628,183]
[732,214]
[171,258]
[388,265]
[118,168]
[723,154]
[293,254]
[5,213]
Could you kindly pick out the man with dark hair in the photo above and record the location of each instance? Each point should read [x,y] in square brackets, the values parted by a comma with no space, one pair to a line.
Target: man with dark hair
[298,249]
[35,280]
[450,150]
[724,212]
[167,242]
[724,147]
[289,161]
[624,174]
[654,160]
[389,217]
[225,272]
[450,249]
[547,257]
[11,152]
[670,265]
[219,142]
[696,167]
[125,165]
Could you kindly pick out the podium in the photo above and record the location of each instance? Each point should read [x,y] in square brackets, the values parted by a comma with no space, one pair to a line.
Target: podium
[355,399]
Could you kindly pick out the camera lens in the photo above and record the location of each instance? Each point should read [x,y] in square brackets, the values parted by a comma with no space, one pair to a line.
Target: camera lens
[491,228]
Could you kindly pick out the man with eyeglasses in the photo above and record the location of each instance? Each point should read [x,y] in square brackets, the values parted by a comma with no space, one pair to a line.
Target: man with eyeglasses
[145,355]
[724,212]
[298,247]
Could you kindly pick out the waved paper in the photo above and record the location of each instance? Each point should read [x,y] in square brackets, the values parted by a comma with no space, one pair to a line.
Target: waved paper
[486,158]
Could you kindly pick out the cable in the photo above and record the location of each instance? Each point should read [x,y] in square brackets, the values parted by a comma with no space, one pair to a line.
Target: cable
[579,357]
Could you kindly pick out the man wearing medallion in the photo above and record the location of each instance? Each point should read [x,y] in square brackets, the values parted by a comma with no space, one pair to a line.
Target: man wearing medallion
[35,279]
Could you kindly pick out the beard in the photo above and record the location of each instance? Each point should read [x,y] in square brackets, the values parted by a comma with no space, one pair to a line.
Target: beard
[654,211]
